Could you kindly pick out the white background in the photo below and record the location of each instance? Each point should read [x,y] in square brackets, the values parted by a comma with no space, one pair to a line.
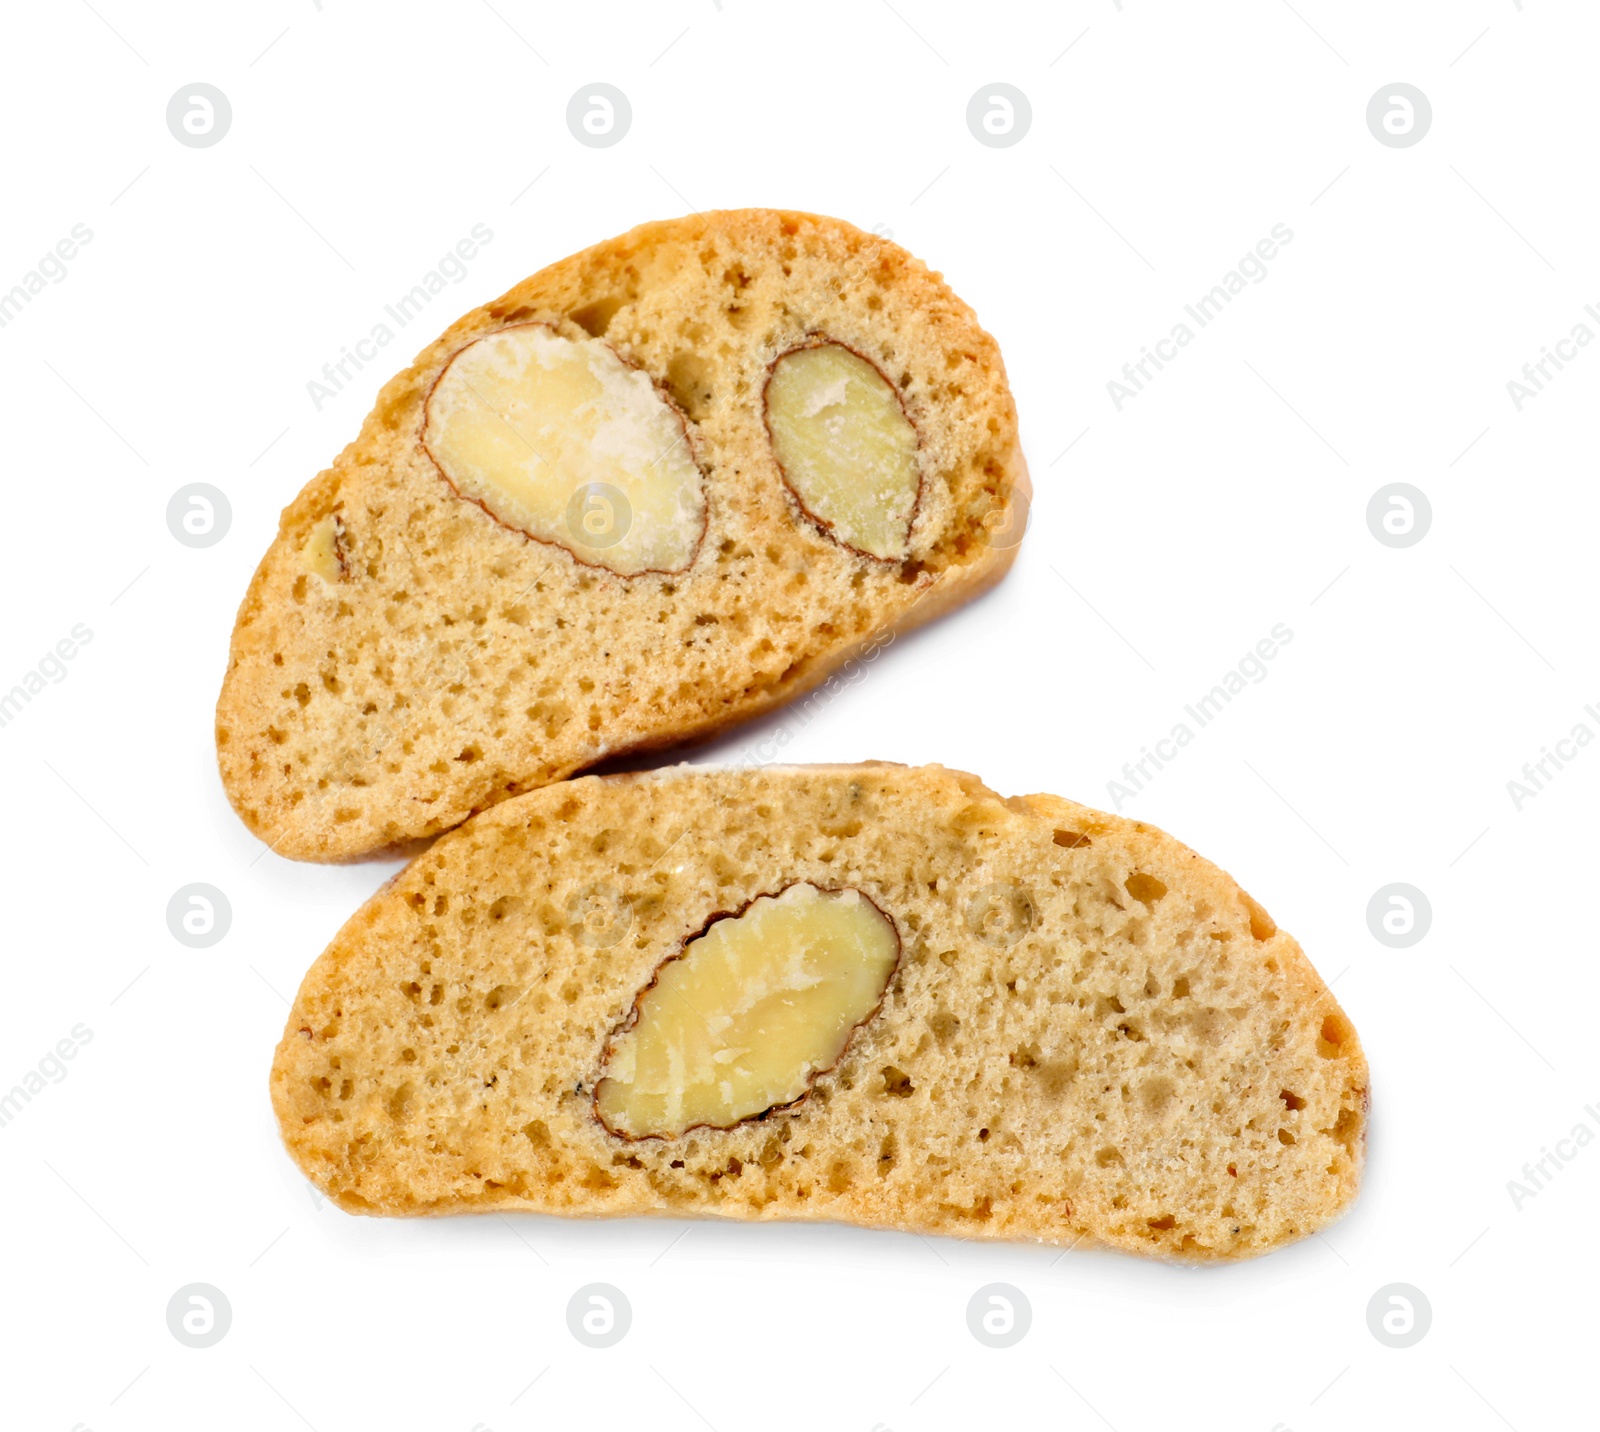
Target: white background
[1229,496]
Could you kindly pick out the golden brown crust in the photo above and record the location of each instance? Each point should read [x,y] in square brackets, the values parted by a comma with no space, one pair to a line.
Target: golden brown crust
[455,663]
[1146,1062]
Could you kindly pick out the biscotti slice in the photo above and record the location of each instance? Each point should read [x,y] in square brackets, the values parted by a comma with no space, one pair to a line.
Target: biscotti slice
[865,993]
[658,488]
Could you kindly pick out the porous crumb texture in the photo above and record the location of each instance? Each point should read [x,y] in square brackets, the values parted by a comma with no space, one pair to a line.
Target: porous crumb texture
[452,662]
[1092,1034]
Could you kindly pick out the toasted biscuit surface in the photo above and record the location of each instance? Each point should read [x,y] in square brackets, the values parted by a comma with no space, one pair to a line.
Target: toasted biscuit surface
[1091,1034]
[440,661]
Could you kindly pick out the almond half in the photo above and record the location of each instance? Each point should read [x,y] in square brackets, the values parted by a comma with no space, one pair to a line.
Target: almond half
[747,1016]
[559,439]
[845,446]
